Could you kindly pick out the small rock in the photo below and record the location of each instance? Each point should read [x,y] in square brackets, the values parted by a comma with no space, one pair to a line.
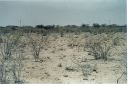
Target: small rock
[57,79]
[95,70]
[41,61]
[60,65]
[65,75]
[47,74]
[33,67]
[70,69]
[89,54]
[85,79]
[93,79]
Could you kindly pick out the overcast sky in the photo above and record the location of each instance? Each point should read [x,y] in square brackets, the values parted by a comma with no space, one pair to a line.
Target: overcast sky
[62,12]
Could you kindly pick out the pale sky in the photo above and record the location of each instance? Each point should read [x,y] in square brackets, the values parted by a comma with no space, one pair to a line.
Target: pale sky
[62,12]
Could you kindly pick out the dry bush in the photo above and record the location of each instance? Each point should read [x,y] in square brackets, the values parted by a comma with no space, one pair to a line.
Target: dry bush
[123,69]
[73,41]
[53,37]
[77,41]
[10,67]
[37,43]
[100,46]
[86,68]
[62,33]
[119,39]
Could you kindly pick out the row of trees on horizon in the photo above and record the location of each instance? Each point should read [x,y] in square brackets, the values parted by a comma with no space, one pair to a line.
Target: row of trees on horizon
[45,29]
[82,25]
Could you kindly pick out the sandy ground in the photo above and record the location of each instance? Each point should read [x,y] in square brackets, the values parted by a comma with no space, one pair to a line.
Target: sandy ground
[58,56]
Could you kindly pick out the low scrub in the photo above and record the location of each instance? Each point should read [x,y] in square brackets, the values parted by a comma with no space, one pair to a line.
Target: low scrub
[37,44]
[100,46]
[11,59]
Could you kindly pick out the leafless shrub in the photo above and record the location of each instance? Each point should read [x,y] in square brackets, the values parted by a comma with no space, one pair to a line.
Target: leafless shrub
[8,59]
[54,36]
[37,44]
[1,40]
[100,46]
[86,68]
[74,41]
[119,39]
[116,41]
[123,66]
[17,67]
[61,33]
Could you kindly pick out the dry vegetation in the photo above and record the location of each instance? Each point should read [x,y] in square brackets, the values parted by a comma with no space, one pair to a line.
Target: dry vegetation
[63,56]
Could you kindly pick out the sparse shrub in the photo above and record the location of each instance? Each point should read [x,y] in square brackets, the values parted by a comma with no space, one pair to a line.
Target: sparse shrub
[18,66]
[10,67]
[123,69]
[85,67]
[61,31]
[37,44]
[62,34]
[118,40]
[100,46]
[1,41]
[86,70]
[45,32]
[73,41]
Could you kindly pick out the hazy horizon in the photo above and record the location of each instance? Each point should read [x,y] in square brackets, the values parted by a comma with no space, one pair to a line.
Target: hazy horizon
[62,12]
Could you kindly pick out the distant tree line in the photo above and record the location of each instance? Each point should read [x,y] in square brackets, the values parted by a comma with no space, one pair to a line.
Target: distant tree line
[95,28]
